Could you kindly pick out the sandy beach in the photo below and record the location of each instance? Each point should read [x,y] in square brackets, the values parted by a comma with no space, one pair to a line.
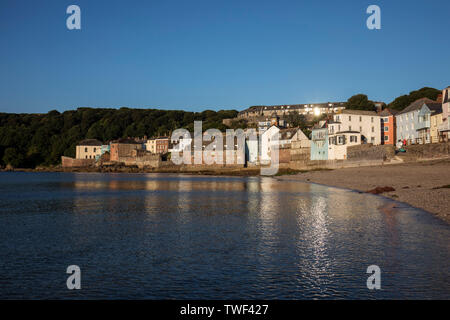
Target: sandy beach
[424,185]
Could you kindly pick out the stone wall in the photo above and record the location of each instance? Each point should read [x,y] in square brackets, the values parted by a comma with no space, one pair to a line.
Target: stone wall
[68,162]
[370,152]
[147,160]
[428,151]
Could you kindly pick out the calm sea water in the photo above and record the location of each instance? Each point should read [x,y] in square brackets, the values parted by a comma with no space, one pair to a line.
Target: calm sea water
[157,236]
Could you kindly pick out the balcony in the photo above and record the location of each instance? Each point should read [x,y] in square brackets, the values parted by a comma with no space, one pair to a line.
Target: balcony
[445,126]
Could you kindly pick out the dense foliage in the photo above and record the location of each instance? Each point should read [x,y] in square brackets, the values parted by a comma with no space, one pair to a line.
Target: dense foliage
[360,102]
[28,140]
[403,101]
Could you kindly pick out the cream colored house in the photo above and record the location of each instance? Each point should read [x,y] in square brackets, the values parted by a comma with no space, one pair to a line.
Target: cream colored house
[436,120]
[88,149]
[151,145]
[368,123]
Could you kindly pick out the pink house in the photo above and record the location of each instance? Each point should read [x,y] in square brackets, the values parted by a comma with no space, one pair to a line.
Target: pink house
[444,128]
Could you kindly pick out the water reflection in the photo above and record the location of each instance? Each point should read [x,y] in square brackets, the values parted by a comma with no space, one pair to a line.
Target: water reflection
[174,236]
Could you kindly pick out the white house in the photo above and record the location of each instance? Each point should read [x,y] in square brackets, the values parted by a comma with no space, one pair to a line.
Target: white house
[407,121]
[367,123]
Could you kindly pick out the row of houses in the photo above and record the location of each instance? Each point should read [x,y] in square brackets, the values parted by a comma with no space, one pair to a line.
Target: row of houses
[423,121]
[117,149]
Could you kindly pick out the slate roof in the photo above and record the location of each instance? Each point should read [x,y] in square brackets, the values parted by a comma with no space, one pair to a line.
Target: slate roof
[360,112]
[435,108]
[416,105]
[388,112]
[90,142]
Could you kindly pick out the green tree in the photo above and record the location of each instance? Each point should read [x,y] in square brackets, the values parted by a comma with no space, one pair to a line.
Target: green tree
[13,157]
[403,101]
[360,102]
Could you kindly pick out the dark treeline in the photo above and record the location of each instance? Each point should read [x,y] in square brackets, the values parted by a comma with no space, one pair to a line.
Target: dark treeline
[30,140]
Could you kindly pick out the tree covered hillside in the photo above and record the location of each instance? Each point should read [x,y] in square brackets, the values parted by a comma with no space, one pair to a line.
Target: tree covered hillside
[402,102]
[29,140]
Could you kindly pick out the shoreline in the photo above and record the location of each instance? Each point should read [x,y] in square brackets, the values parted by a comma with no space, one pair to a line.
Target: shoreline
[424,185]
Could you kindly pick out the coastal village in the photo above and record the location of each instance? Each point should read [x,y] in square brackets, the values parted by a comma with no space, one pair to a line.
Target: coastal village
[342,138]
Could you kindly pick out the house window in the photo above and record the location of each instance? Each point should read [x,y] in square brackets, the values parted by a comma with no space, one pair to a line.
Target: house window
[386,120]
[372,140]
[349,118]
[85,150]
[386,138]
[360,118]
[371,119]
[386,129]
[373,129]
[95,149]
[341,140]
[360,129]
[349,128]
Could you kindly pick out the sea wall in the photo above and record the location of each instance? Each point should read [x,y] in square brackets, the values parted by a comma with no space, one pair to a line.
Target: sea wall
[68,162]
[428,151]
[370,152]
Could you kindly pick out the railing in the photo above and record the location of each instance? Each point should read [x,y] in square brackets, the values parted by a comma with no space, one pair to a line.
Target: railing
[445,126]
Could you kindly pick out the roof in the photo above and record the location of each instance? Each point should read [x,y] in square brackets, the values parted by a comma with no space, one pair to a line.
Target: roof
[388,112]
[90,142]
[436,107]
[416,105]
[125,141]
[349,131]
[359,112]
[287,133]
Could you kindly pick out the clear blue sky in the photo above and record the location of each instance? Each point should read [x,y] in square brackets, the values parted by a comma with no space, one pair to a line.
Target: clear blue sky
[217,54]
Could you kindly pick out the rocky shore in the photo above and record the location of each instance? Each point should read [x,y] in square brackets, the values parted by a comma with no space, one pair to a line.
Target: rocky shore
[424,184]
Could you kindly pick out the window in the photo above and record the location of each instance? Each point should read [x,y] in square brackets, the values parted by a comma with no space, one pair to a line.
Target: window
[349,118]
[349,128]
[86,157]
[353,138]
[386,120]
[372,139]
[386,129]
[95,149]
[371,119]
[360,118]
[341,140]
[373,129]
[386,138]
[85,150]
[360,129]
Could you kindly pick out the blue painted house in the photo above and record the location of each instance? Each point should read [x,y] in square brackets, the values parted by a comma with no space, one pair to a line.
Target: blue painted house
[319,143]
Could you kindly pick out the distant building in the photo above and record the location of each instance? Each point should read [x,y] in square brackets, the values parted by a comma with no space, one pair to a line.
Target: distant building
[123,148]
[314,109]
[365,122]
[388,126]
[158,145]
[88,149]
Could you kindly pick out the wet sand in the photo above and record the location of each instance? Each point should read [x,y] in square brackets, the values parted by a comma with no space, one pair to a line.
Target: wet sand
[424,185]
